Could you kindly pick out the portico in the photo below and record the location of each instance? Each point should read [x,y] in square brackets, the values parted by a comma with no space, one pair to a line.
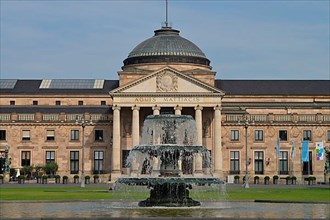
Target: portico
[167,91]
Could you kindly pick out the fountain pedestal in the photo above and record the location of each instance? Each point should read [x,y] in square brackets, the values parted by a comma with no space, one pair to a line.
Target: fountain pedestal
[169,195]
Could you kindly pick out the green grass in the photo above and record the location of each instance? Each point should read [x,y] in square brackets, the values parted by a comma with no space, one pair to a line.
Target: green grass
[283,194]
[99,193]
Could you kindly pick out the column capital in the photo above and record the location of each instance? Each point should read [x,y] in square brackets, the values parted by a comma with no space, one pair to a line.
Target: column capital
[116,107]
[135,108]
[156,107]
[178,107]
[217,108]
[198,107]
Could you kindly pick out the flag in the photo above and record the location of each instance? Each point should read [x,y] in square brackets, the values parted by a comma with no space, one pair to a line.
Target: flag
[292,149]
[319,151]
[304,151]
[278,146]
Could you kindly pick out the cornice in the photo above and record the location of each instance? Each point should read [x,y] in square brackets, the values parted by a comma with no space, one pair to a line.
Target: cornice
[166,94]
[276,104]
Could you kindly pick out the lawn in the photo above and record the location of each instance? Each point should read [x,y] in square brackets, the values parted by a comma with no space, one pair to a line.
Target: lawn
[101,193]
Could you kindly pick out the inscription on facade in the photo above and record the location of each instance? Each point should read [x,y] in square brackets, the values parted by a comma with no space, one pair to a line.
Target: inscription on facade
[166,99]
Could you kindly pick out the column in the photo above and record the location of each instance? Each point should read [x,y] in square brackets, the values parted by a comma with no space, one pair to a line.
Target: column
[116,140]
[217,141]
[198,119]
[198,159]
[177,110]
[135,126]
[156,110]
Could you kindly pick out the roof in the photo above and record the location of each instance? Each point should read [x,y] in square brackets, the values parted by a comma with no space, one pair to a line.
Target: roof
[56,109]
[166,41]
[274,87]
[33,87]
[230,87]
[166,46]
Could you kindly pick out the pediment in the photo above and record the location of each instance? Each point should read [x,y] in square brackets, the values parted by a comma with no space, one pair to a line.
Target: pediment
[166,80]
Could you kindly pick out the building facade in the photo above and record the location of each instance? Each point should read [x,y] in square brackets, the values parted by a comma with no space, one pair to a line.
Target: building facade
[94,123]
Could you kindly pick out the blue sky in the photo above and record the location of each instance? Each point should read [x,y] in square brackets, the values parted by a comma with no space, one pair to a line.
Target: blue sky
[244,39]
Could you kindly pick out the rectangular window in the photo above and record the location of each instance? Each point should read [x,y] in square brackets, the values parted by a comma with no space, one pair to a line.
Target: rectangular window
[308,166]
[259,135]
[234,135]
[50,156]
[26,135]
[98,162]
[12,102]
[234,162]
[26,158]
[283,135]
[125,154]
[284,170]
[35,103]
[328,136]
[103,103]
[74,162]
[57,102]
[2,135]
[98,135]
[259,162]
[74,135]
[50,135]
[307,135]
[80,102]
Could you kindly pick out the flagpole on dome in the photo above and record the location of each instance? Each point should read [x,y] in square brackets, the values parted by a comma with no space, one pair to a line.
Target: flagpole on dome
[166,22]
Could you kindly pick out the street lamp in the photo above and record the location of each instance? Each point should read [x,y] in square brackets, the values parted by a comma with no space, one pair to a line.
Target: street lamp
[83,122]
[246,125]
[6,168]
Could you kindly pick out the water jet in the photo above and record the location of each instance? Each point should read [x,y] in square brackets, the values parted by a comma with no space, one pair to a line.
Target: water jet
[169,162]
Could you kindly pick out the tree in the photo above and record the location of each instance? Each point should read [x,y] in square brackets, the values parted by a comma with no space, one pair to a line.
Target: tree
[50,168]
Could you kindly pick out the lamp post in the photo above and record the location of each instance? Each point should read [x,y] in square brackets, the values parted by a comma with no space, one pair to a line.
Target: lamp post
[83,122]
[246,125]
[6,168]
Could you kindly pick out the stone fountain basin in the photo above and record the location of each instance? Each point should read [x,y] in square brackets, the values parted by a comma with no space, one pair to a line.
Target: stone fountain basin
[161,180]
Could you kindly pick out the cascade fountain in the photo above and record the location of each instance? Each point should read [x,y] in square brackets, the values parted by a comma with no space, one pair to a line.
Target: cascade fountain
[169,162]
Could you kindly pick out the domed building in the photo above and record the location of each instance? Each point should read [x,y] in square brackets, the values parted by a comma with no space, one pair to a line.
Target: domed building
[166,48]
[88,127]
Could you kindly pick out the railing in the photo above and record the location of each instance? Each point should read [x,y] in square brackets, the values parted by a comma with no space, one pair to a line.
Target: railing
[283,118]
[73,117]
[257,118]
[4,117]
[233,117]
[50,117]
[279,118]
[326,117]
[307,118]
[26,117]
[100,117]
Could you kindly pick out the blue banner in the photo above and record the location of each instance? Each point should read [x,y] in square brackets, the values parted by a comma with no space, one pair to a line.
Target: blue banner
[304,151]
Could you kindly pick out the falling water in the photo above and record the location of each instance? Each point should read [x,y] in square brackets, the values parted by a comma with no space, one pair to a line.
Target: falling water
[169,161]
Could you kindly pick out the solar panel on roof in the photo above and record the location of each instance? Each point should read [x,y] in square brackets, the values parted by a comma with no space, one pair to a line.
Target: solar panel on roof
[7,83]
[72,84]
